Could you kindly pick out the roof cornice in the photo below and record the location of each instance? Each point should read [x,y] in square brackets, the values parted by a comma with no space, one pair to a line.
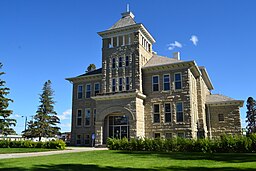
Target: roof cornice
[134,27]
[206,78]
[81,78]
[240,103]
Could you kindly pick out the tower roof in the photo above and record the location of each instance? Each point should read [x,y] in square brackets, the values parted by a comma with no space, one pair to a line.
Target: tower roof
[126,20]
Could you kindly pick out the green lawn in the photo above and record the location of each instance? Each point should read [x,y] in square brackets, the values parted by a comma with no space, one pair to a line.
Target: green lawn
[126,161]
[22,150]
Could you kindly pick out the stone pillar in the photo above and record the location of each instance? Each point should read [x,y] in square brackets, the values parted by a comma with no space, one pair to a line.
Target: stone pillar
[99,133]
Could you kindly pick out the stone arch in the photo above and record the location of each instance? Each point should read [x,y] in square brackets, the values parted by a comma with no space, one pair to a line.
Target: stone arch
[114,109]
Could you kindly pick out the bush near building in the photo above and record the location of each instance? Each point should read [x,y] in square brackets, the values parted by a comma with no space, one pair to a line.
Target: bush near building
[224,144]
[58,144]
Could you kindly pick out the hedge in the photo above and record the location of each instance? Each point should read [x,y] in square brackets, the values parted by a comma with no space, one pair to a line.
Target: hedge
[224,144]
[57,144]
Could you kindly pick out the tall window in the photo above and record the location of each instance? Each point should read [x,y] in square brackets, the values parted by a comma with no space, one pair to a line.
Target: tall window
[127,61]
[96,88]
[120,62]
[94,116]
[79,118]
[155,82]
[181,134]
[80,91]
[157,135]
[221,117]
[88,90]
[127,83]
[167,112]
[120,84]
[113,62]
[166,80]
[177,77]
[87,116]
[113,85]
[168,135]
[156,113]
[78,139]
[179,112]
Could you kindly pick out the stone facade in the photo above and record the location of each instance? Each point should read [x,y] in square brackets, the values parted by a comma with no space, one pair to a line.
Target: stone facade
[138,93]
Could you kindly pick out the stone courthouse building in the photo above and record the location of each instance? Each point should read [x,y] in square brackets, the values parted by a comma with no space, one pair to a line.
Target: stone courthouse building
[138,93]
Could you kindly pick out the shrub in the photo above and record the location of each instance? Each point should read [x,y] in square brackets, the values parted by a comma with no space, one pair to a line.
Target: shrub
[58,144]
[224,144]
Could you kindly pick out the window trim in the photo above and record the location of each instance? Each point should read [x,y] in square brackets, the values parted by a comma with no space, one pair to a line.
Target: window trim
[78,91]
[153,83]
[182,112]
[79,117]
[168,82]
[95,89]
[168,112]
[85,117]
[156,113]
[88,91]
[177,81]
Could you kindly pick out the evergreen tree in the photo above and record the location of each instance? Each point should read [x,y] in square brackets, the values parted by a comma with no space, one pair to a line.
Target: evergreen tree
[251,115]
[46,119]
[91,67]
[5,121]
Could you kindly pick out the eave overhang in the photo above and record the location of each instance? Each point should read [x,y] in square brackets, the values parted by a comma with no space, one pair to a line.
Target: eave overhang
[206,78]
[239,103]
[81,78]
[134,27]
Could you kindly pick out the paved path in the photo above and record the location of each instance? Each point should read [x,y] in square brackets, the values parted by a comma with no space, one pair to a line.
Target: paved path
[46,153]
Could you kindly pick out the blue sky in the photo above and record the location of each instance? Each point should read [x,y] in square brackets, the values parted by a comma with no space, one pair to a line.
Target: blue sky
[56,39]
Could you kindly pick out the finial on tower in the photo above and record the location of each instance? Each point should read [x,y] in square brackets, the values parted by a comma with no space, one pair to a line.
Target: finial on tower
[127,8]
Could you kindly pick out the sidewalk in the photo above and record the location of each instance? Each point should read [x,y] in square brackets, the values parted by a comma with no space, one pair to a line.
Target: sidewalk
[46,153]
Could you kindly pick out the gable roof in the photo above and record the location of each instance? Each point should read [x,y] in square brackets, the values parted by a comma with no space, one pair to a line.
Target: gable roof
[126,20]
[216,99]
[96,71]
[157,60]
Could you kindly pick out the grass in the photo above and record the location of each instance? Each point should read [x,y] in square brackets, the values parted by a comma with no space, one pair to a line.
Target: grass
[22,150]
[130,161]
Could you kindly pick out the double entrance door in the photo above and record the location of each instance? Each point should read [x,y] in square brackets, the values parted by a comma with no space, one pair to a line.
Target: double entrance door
[118,126]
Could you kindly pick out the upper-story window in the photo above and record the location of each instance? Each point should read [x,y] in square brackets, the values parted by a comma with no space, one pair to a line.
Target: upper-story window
[166,84]
[155,83]
[156,113]
[167,112]
[87,116]
[80,91]
[120,84]
[88,91]
[127,83]
[113,85]
[179,112]
[79,118]
[113,62]
[120,62]
[96,88]
[221,117]
[127,61]
[177,79]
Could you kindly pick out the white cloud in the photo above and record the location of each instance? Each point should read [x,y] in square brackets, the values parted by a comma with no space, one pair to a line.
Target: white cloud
[17,116]
[65,125]
[194,39]
[65,115]
[174,45]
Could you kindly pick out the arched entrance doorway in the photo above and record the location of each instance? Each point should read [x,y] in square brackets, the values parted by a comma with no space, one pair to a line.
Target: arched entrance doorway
[116,125]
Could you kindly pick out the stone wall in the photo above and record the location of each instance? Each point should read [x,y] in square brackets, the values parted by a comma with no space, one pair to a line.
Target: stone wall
[231,124]
[161,97]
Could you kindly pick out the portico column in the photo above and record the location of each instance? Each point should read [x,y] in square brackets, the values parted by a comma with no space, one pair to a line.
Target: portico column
[99,133]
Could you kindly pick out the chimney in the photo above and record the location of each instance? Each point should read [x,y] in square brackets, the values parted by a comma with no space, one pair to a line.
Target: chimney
[176,55]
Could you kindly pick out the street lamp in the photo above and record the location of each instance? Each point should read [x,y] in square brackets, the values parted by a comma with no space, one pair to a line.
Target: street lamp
[26,120]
